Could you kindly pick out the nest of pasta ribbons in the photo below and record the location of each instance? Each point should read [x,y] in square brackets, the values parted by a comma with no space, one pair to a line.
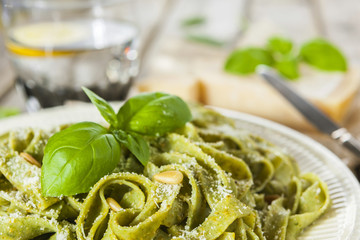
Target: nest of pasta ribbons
[205,180]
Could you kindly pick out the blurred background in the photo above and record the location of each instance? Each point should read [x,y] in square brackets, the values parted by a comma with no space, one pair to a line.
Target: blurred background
[179,47]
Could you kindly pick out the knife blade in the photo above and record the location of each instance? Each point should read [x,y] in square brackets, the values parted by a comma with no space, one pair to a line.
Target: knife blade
[313,114]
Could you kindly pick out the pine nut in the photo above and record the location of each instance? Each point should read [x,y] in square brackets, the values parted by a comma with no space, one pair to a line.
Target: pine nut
[271,197]
[170,177]
[30,159]
[113,204]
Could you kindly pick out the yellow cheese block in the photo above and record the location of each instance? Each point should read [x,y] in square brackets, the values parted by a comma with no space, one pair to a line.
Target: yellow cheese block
[333,93]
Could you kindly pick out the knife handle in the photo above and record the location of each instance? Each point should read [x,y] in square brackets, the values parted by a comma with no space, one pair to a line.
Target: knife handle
[347,140]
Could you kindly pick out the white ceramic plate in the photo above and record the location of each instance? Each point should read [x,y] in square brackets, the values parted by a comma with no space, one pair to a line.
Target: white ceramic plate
[342,221]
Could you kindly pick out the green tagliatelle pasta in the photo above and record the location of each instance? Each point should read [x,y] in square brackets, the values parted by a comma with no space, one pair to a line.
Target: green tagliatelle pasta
[235,186]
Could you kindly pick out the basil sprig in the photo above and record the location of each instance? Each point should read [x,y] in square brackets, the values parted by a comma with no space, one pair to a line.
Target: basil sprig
[281,54]
[77,157]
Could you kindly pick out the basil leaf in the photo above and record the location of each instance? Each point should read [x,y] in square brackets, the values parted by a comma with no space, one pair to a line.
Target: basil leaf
[76,158]
[279,45]
[153,114]
[323,55]
[288,67]
[244,61]
[136,145]
[103,106]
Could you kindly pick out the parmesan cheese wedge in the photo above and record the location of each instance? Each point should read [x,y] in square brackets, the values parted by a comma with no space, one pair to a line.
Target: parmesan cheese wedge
[332,93]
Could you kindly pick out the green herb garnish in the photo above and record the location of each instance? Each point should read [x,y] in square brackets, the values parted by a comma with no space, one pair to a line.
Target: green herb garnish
[77,157]
[208,40]
[288,66]
[279,45]
[244,61]
[323,55]
[280,53]
[193,21]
